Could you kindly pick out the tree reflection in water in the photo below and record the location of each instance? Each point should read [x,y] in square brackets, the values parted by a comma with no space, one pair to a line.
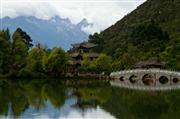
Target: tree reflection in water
[128,104]
[17,96]
[22,96]
[82,99]
[92,94]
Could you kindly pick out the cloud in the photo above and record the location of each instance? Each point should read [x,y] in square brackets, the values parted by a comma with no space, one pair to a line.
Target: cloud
[39,10]
[101,13]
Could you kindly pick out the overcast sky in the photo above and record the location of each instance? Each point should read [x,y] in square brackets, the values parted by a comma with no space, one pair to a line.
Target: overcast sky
[101,13]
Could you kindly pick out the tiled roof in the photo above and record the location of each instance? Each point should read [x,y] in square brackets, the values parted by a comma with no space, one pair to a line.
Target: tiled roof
[151,62]
[84,44]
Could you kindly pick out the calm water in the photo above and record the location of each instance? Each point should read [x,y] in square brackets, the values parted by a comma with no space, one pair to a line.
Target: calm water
[61,99]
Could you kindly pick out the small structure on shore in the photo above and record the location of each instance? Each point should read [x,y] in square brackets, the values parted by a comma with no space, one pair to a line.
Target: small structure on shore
[80,50]
[77,54]
[151,63]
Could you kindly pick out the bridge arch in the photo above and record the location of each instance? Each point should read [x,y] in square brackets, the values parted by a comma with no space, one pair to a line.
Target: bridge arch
[121,78]
[175,80]
[148,79]
[163,80]
[133,78]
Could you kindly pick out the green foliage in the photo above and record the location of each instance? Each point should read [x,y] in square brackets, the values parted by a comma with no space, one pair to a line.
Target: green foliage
[20,46]
[148,35]
[99,65]
[56,62]
[103,63]
[86,61]
[97,40]
[23,36]
[18,60]
[5,50]
[151,30]
[45,62]
[35,60]
[20,51]
[172,55]
[88,65]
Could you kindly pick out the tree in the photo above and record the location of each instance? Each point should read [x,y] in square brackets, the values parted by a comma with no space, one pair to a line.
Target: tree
[7,34]
[103,63]
[20,50]
[35,60]
[127,61]
[86,61]
[5,50]
[172,55]
[95,38]
[20,34]
[20,46]
[148,35]
[88,65]
[56,62]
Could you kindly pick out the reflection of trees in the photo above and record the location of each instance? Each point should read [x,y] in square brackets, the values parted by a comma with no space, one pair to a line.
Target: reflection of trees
[12,94]
[122,103]
[128,104]
[18,101]
[33,93]
[3,98]
[18,95]
[55,93]
[92,94]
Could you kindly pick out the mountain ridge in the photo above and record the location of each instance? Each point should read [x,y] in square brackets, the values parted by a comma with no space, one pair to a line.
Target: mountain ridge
[55,32]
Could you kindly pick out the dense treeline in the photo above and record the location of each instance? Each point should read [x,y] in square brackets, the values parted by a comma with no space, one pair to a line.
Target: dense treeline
[18,57]
[152,30]
[100,65]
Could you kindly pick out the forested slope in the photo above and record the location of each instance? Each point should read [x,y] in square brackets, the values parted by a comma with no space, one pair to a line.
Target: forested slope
[151,30]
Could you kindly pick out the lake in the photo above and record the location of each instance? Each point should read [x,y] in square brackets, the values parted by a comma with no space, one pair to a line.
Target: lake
[83,99]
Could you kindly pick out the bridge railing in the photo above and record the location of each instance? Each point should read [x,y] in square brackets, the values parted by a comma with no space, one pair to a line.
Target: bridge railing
[146,70]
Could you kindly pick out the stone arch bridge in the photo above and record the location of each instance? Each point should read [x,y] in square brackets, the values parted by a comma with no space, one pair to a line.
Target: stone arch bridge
[150,79]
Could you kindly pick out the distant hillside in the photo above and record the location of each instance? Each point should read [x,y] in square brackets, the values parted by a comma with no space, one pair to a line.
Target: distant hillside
[151,30]
[54,32]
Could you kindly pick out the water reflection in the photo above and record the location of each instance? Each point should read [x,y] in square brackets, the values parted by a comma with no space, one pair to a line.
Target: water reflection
[52,99]
[83,99]
[128,104]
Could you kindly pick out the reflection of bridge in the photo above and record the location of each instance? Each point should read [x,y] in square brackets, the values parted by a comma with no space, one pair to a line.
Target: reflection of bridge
[150,79]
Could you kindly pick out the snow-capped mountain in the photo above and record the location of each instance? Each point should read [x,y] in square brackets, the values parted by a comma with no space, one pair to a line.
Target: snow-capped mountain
[56,32]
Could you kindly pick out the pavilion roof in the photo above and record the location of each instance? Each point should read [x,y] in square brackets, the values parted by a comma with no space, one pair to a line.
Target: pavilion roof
[150,62]
[84,44]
